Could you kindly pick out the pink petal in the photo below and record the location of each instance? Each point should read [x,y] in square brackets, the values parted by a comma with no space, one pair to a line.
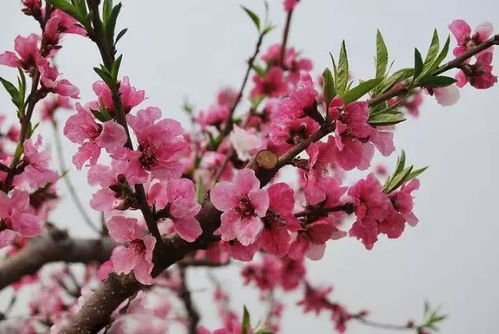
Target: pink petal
[446,96]
[142,272]
[6,237]
[9,58]
[87,151]
[260,200]
[121,228]
[229,221]
[123,260]
[188,229]
[484,30]
[224,196]
[112,137]
[245,181]
[315,252]
[460,29]
[27,224]
[248,229]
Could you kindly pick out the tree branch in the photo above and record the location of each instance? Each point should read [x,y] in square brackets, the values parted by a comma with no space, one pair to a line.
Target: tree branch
[494,40]
[185,296]
[49,249]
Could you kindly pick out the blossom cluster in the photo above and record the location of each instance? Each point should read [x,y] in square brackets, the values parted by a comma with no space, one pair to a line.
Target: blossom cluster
[152,178]
[27,181]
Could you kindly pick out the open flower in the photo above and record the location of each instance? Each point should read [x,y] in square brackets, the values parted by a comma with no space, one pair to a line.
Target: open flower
[355,139]
[161,144]
[37,172]
[465,40]
[175,199]
[137,254]
[243,204]
[82,129]
[18,215]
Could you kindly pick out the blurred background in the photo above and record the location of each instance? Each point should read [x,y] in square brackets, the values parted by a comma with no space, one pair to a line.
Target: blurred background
[191,48]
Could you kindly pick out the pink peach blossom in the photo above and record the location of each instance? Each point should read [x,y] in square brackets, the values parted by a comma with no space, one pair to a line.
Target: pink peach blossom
[243,204]
[175,199]
[137,255]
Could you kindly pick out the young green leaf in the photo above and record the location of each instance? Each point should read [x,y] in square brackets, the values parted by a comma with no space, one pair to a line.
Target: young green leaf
[381,56]
[433,50]
[200,191]
[398,180]
[400,163]
[68,8]
[438,81]
[418,63]
[416,173]
[22,86]
[329,90]
[398,76]
[253,17]
[246,322]
[107,7]
[342,74]
[267,29]
[360,90]
[110,23]
[12,90]
[120,34]
[441,56]
[116,67]
[383,119]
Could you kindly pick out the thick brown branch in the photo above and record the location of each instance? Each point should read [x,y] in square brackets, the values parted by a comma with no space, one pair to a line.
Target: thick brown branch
[48,249]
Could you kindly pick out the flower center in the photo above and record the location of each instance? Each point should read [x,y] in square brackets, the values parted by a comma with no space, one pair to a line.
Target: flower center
[148,158]
[138,246]
[245,208]
[296,135]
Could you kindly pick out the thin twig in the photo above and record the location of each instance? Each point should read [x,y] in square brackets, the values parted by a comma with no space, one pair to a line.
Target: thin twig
[185,296]
[67,181]
[285,37]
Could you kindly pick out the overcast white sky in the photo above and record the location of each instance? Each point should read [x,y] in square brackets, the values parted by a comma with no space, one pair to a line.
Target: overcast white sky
[189,48]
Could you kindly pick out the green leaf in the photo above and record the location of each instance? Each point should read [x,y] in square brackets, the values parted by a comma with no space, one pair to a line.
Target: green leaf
[441,56]
[32,129]
[400,75]
[253,17]
[342,74]
[400,163]
[386,119]
[438,81]
[398,180]
[105,76]
[107,7]
[329,90]
[116,67]
[68,8]
[360,90]
[12,90]
[418,63]
[22,86]
[267,29]
[120,34]
[200,191]
[259,70]
[381,56]
[246,322]
[110,24]
[416,173]
[433,50]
